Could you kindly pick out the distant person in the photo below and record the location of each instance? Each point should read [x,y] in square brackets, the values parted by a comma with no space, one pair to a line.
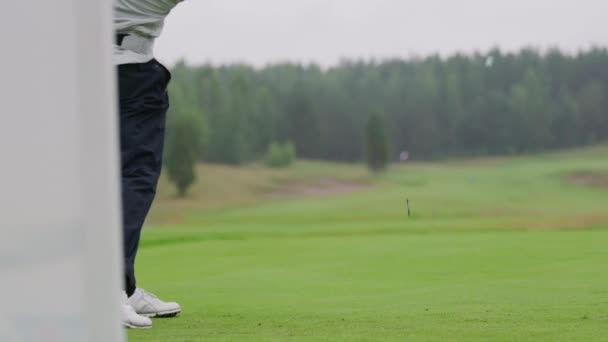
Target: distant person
[142,83]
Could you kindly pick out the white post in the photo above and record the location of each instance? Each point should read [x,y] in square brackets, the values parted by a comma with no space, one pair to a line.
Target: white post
[60,268]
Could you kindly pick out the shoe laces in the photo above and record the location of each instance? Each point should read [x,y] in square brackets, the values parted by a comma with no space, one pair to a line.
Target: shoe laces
[148,294]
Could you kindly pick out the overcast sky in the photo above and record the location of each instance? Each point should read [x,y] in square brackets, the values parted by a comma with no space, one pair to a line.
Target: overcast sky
[324,31]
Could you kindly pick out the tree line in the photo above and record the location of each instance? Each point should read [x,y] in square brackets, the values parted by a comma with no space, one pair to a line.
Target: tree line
[462,105]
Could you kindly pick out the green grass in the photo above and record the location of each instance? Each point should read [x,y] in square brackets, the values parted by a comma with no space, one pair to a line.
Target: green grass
[497,249]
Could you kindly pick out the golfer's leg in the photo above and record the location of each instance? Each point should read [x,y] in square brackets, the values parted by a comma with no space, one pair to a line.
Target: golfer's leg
[143,105]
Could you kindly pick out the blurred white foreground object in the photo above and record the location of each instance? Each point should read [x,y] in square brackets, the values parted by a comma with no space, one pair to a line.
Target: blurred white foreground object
[59,210]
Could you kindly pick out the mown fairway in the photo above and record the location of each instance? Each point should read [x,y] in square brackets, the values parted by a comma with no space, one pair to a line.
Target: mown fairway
[496,249]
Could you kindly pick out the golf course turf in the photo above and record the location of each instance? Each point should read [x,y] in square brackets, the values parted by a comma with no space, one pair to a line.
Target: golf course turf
[500,249]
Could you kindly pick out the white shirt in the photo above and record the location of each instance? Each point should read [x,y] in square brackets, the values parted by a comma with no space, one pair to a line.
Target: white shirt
[142,21]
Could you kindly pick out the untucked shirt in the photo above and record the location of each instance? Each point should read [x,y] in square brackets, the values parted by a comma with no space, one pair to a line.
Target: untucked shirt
[143,19]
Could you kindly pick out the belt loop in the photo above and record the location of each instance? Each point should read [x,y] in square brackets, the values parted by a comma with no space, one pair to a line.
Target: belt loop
[119,38]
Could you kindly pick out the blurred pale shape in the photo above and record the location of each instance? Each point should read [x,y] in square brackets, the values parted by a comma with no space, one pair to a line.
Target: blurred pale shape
[59,259]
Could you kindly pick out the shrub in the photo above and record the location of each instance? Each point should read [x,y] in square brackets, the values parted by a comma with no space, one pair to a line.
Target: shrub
[280,155]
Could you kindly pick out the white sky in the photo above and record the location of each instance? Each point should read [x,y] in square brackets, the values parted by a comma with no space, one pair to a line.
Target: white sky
[324,31]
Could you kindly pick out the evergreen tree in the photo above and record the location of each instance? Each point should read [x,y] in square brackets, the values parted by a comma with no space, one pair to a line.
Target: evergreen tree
[185,133]
[463,105]
[377,143]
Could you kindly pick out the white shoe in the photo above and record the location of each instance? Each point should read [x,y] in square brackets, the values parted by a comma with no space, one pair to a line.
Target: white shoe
[131,319]
[148,305]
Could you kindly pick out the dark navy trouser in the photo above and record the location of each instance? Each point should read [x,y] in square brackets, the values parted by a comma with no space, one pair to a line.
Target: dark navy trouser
[143,106]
